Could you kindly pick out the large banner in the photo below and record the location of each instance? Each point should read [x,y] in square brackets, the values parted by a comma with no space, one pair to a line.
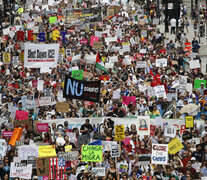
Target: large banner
[84,90]
[41,55]
[83,16]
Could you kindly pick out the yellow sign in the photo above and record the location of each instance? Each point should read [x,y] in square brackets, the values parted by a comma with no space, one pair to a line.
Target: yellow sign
[46,151]
[119,133]
[68,148]
[189,122]
[175,145]
[21,57]
[6,58]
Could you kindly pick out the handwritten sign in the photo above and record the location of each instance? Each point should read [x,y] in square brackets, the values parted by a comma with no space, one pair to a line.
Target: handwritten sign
[175,145]
[189,122]
[119,132]
[21,170]
[92,153]
[46,151]
[159,154]
[21,115]
[69,156]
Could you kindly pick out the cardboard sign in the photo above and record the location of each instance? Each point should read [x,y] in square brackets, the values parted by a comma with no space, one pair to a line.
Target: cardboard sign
[97,45]
[69,156]
[99,171]
[27,150]
[115,150]
[42,127]
[23,123]
[21,115]
[92,153]
[119,133]
[159,154]
[47,151]
[143,125]
[62,107]
[175,145]
[42,166]
[189,122]
[21,170]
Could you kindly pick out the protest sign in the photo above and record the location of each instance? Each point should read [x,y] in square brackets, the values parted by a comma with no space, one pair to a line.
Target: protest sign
[45,101]
[83,16]
[3,148]
[175,145]
[97,45]
[170,96]
[6,58]
[93,39]
[115,152]
[141,64]
[15,136]
[23,123]
[123,167]
[27,150]
[144,159]
[21,115]
[128,100]
[113,59]
[68,148]
[186,135]
[4,116]
[189,123]
[41,55]
[47,151]
[159,154]
[194,64]
[84,90]
[52,20]
[42,127]
[161,62]
[92,153]
[57,168]
[72,137]
[160,91]
[21,170]
[99,171]
[69,156]
[116,94]
[40,84]
[77,74]
[119,132]
[197,83]
[6,134]
[143,125]
[32,160]
[152,129]
[42,166]
[170,131]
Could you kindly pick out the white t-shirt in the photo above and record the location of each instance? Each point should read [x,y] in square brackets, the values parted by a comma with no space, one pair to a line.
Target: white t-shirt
[173,22]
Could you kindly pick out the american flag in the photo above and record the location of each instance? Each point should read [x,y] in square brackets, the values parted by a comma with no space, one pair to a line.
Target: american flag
[57,169]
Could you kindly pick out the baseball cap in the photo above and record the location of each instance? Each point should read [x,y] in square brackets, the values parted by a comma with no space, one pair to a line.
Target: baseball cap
[193,159]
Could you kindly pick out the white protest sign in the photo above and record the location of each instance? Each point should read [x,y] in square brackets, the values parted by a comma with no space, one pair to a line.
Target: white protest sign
[115,152]
[161,62]
[21,170]
[45,101]
[107,145]
[111,39]
[40,84]
[116,94]
[99,171]
[90,59]
[170,96]
[170,131]
[159,154]
[3,148]
[194,64]
[143,125]
[72,137]
[160,91]
[141,64]
[69,156]
[41,55]
[28,150]
[113,59]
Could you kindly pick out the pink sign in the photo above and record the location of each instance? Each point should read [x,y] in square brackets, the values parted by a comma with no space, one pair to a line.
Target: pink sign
[126,141]
[45,178]
[83,41]
[34,83]
[6,134]
[42,127]
[21,115]
[128,100]
[93,38]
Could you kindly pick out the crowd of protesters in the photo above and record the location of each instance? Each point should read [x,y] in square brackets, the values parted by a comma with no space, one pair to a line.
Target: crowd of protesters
[123,76]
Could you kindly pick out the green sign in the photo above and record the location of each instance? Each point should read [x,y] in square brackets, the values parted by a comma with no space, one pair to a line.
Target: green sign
[52,19]
[197,83]
[92,153]
[77,74]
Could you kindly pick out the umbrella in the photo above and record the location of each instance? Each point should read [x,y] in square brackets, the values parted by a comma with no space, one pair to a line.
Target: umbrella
[189,108]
